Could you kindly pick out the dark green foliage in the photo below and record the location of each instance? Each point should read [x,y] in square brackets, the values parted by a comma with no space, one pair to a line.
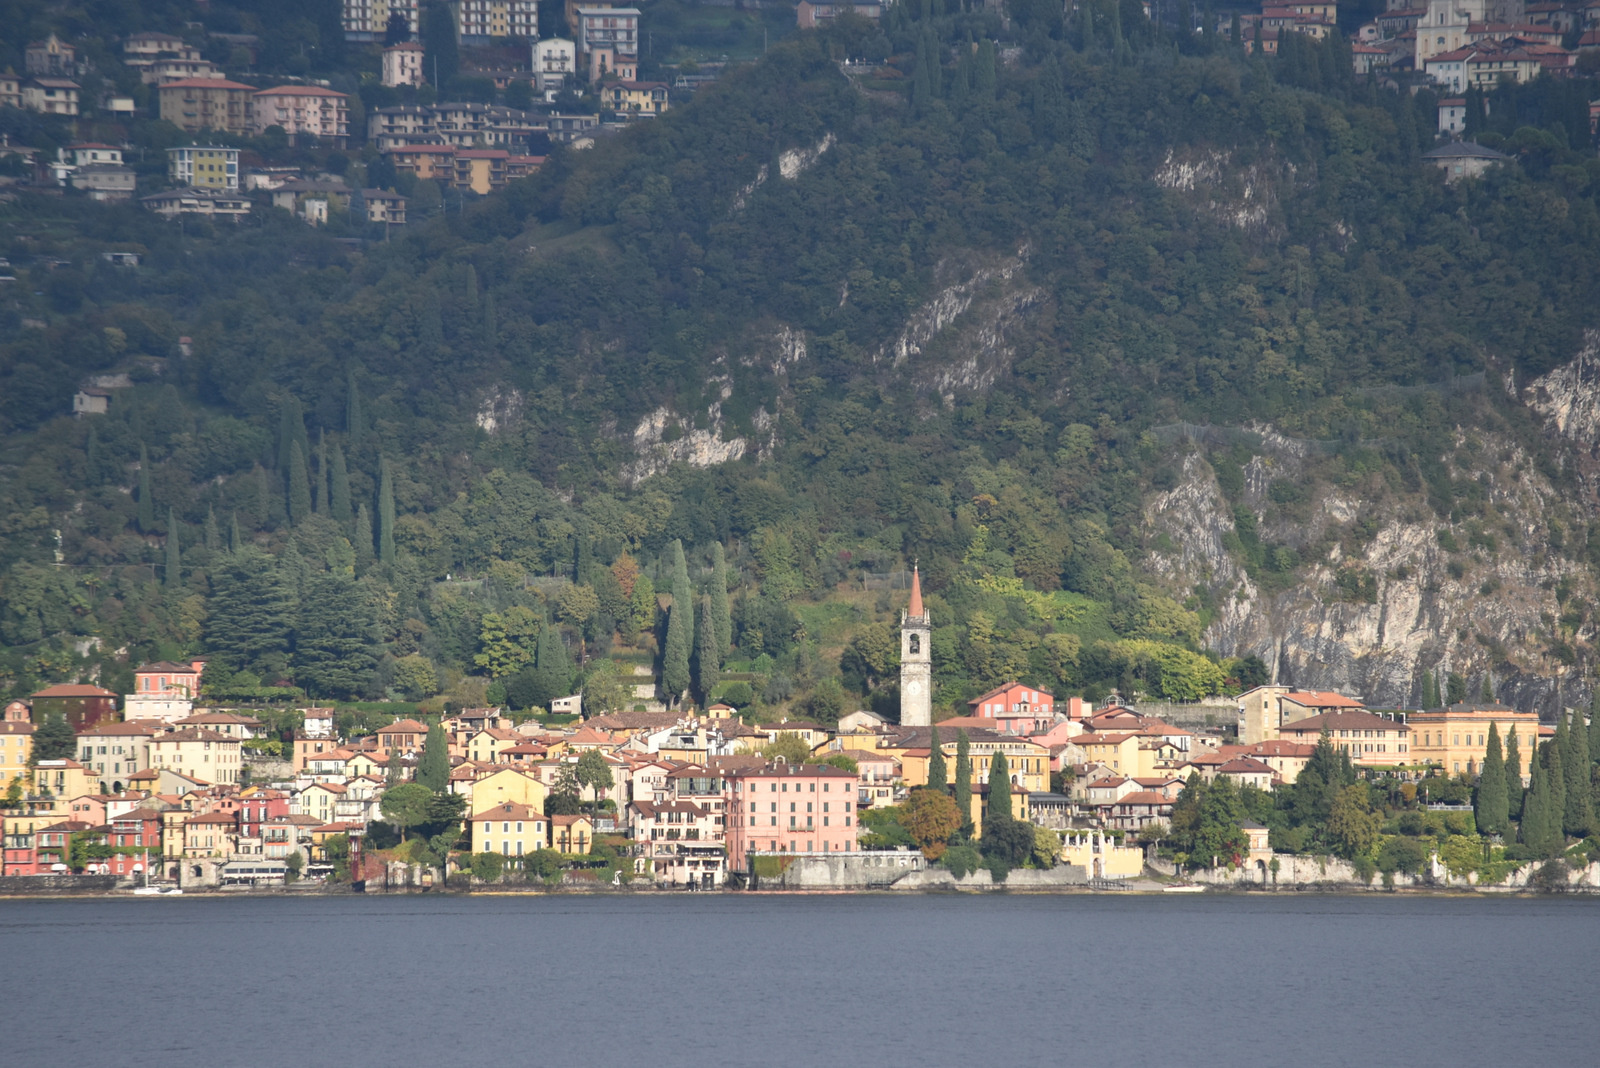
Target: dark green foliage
[937,779]
[999,790]
[147,504]
[339,491]
[1430,690]
[1207,822]
[53,740]
[552,670]
[299,486]
[963,783]
[680,628]
[1578,815]
[1514,790]
[250,613]
[721,616]
[363,535]
[172,575]
[433,767]
[385,515]
[1007,840]
[705,656]
[333,637]
[1489,800]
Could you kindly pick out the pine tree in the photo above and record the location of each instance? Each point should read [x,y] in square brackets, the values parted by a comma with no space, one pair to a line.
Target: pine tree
[291,431]
[249,613]
[147,504]
[234,540]
[385,515]
[54,740]
[213,539]
[705,656]
[680,627]
[319,497]
[433,767]
[999,788]
[1487,693]
[333,654]
[363,536]
[552,666]
[299,486]
[352,408]
[964,778]
[937,779]
[721,617]
[1490,800]
[174,573]
[1514,789]
[339,491]
[396,773]
[1578,818]
[1430,690]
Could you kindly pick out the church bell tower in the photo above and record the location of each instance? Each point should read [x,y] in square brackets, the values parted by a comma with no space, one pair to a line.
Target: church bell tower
[916,660]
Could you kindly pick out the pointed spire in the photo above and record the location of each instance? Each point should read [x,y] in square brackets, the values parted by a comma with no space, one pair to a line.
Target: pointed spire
[915,607]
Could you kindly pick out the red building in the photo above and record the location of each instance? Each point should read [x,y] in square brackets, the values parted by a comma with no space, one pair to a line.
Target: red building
[790,808]
[256,808]
[84,706]
[1017,709]
[20,857]
[166,679]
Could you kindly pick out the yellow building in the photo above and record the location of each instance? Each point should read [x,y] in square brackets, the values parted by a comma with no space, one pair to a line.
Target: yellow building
[507,786]
[510,829]
[571,834]
[16,744]
[64,779]
[646,98]
[204,166]
[206,755]
[1100,854]
[1119,752]
[487,745]
[1455,738]
[211,835]
[318,801]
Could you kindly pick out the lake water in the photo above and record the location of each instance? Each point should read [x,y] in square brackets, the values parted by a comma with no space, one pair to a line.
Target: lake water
[1106,979]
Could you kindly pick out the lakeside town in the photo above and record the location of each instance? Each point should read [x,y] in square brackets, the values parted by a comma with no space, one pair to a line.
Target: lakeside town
[155,789]
[186,124]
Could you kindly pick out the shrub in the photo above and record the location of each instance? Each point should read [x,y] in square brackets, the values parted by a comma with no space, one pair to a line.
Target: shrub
[961,860]
[488,866]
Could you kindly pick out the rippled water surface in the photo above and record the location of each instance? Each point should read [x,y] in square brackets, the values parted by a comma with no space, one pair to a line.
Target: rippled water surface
[797,981]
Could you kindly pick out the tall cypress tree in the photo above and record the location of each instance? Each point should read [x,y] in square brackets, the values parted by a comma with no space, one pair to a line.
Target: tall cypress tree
[147,504]
[363,535]
[299,486]
[1514,791]
[721,617]
[937,778]
[680,627]
[1536,809]
[1430,690]
[319,497]
[339,491]
[552,666]
[385,515]
[964,778]
[234,540]
[291,431]
[433,767]
[1487,693]
[1555,815]
[174,575]
[999,788]
[1489,802]
[352,408]
[1578,818]
[705,656]
[213,539]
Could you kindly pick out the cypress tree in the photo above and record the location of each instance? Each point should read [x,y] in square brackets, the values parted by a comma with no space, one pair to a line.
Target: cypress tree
[551,665]
[721,617]
[1578,818]
[705,654]
[433,767]
[1594,727]
[91,457]
[1430,690]
[1490,800]
[352,408]
[937,778]
[299,486]
[1487,693]
[491,322]
[234,541]
[291,431]
[174,574]
[680,627]
[983,71]
[319,499]
[1513,777]
[1555,815]
[339,491]
[999,788]
[396,771]
[211,538]
[385,515]
[147,504]
[1535,807]
[363,538]
[964,778]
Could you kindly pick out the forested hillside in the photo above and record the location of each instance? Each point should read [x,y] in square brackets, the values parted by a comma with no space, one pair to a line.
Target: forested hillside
[1002,307]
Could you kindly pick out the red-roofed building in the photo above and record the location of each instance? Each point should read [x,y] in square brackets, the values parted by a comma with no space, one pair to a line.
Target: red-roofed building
[790,808]
[1265,709]
[82,705]
[1369,739]
[195,104]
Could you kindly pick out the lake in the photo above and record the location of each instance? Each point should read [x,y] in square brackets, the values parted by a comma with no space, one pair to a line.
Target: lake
[715,979]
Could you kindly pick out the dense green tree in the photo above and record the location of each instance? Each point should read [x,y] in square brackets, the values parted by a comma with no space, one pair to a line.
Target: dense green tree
[680,628]
[395,772]
[1556,776]
[333,637]
[999,789]
[1430,691]
[937,778]
[963,783]
[248,621]
[291,432]
[1218,836]
[339,491]
[299,486]
[594,774]
[433,767]
[1514,791]
[405,806]
[363,536]
[354,423]
[788,745]
[1537,813]
[720,611]
[1578,817]
[705,656]
[385,514]
[1489,801]
[172,576]
[54,739]
[930,819]
[552,665]
[1456,684]
[147,503]
[211,537]
[1352,827]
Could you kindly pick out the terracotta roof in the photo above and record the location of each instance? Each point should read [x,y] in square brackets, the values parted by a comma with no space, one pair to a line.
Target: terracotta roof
[1340,721]
[1011,686]
[1244,766]
[206,83]
[211,817]
[106,729]
[195,734]
[300,90]
[72,689]
[1144,797]
[16,727]
[404,726]
[1321,699]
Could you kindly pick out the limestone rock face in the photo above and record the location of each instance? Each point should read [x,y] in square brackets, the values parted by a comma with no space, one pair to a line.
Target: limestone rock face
[1372,614]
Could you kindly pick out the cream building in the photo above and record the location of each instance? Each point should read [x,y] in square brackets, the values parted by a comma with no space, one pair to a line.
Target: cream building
[1455,738]
[202,754]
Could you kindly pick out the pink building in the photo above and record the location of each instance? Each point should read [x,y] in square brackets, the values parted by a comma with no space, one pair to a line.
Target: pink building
[1017,709]
[790,808]
[167,679]
[304,111]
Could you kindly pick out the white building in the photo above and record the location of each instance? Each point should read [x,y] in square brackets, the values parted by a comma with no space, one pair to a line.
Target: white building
[402,64]
[608,37]
[555,62]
